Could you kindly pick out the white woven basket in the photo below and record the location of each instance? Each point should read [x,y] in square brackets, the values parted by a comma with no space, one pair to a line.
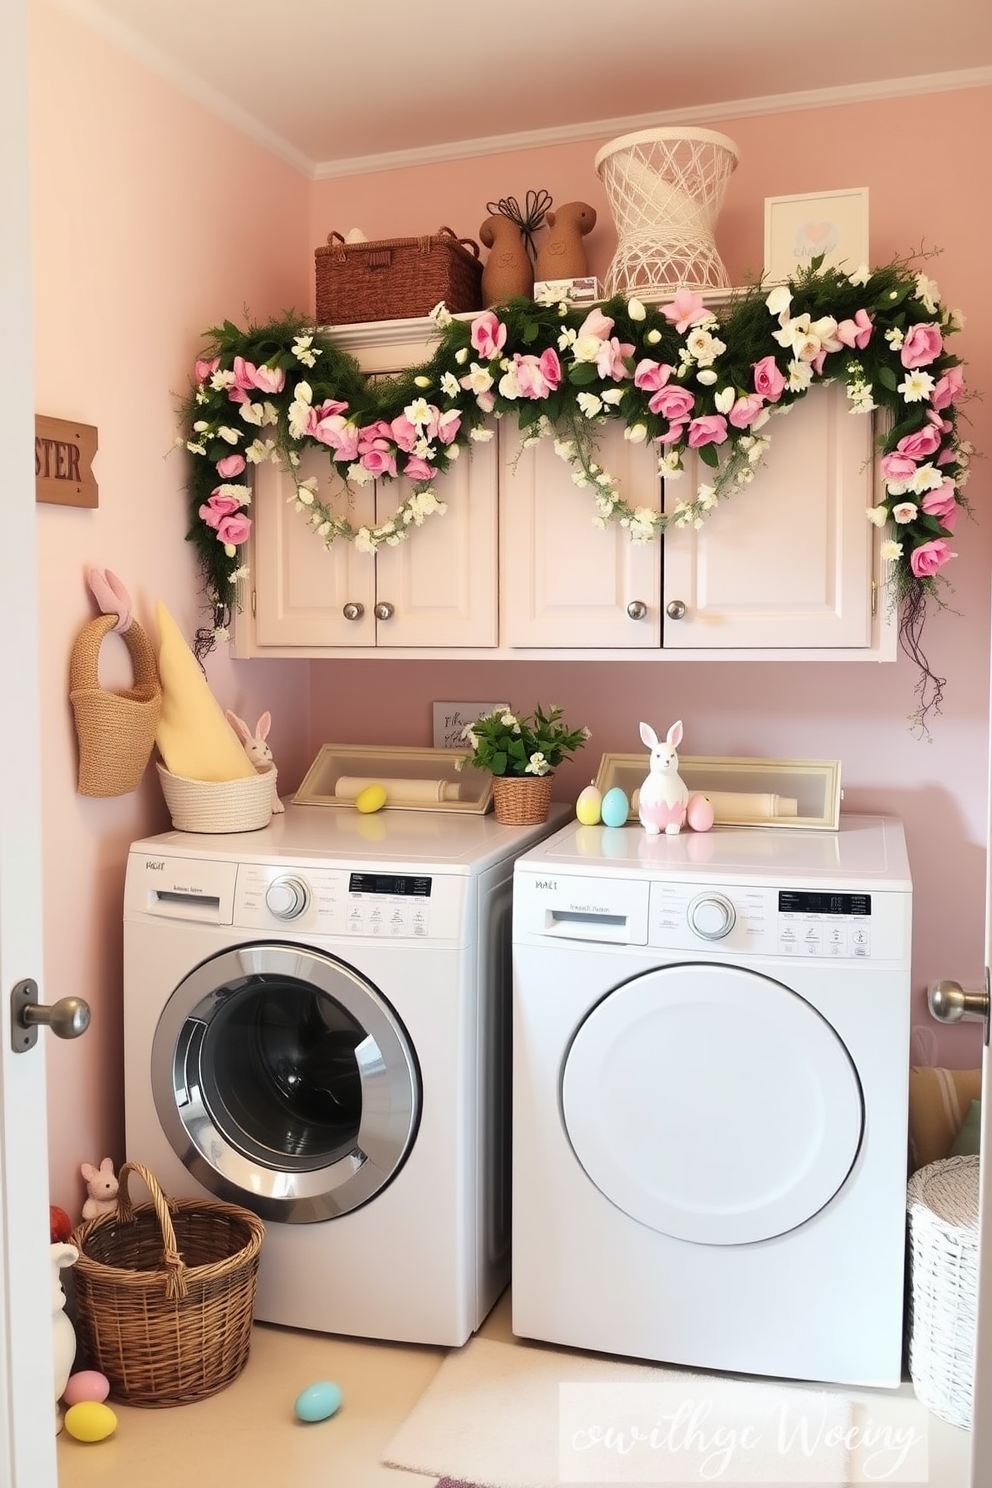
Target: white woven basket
[218,805]
[943,1257]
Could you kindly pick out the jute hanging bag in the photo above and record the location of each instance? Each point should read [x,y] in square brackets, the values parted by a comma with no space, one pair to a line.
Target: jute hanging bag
[166,1294]
[115,728]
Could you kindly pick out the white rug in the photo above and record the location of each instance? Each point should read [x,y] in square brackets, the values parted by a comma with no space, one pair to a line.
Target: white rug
[523,1416]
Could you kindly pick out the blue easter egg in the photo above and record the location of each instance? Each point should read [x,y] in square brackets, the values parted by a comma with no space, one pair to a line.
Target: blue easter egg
[318,1401]
[615,808]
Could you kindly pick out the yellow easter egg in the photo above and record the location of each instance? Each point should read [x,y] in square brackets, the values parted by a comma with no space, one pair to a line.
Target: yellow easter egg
[589,806]
[90,1421]
[372,798]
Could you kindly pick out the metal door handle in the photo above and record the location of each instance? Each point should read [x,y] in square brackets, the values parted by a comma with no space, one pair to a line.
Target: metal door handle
[637,609]
[353,611]
[384,611]
[675,610]
[67,1018]
[949,1002]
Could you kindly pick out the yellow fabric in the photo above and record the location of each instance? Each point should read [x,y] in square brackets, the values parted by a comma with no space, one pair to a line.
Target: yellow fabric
[938,1103]
[194,738]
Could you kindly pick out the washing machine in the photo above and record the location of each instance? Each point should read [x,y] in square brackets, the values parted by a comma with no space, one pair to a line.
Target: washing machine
[316,1027]
[710,1072]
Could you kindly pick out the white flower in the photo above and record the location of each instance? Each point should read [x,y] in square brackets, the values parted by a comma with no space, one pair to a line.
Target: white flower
[890,551]
[564,448]
[800,376]
[703,347]
[636,433]
[670,464]
[905,511]
[422,382]
[194,448]
[778,302]
[924,478]
[586,348]
[259,450]
[232,436]
[917,387]
[877,515]
[200,426]
[954,321]
[590,405]
[304,350]
[252,413]
[537,765]
[221,632]
[927,293]
[635,309]
[894,337]
[306,491]
[707,377]
[643,524]
[567,338]
[359,476]
[461,355]
[510,721]
[450,385]
[419,411]
[478,379]
[440,315]
[861,275]
[508,385]
[238,493]
[725,400]
[221,380]
[454,450]
[613,395]
[363,541]
[653,337]
[707,497]
[239,573]
[481,435]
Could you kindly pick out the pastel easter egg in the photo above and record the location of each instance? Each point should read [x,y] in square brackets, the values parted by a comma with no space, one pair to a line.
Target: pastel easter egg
[615,807]
[589,806]
[87,1384]
[372,798]
[90,1421]
[318,1401]
[699,813]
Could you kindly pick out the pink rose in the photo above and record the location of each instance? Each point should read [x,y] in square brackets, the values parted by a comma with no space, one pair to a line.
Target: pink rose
[205,369]
[488,335]
[651,375]
[233,529]
[537,377]
[610,359]
[746,410]
[449,423]
[378,461]
[375,436]
[922,442]
[942,504]
[856,332]
[217,507]
[404,433]
[896,467]
[230,466]
[710,429]
[595,324]
[339,436]
[768,380]
[672,403]
[922,345]
[418,469]
[687,309]
[269,379]
[948,389]
[929,556]
[675,433]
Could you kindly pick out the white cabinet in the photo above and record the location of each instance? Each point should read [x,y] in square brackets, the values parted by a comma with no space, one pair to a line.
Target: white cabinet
[788,560]
[564,581]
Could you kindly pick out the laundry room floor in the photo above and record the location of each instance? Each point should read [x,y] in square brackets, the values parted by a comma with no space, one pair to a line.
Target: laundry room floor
[247,1435]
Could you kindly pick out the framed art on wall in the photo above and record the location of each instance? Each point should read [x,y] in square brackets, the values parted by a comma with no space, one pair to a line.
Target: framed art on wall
[798,228]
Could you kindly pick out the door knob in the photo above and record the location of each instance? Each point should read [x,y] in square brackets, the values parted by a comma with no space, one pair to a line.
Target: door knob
[67,1018]
[675,609]
[949,1002]
[637,609]
[353,611]
[384,611]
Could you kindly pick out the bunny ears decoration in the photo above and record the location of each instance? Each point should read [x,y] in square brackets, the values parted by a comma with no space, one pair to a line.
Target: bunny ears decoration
[110,595]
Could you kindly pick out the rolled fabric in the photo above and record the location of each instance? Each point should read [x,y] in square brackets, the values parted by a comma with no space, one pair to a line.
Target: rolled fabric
[747,805]
[409,792]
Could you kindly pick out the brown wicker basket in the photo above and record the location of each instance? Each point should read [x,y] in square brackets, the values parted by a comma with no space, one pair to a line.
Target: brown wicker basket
[396,278]
[115,729]
[166,1294]
[522,800]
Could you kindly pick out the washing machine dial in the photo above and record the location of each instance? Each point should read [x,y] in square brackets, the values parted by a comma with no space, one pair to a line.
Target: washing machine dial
[287,897]
[711,916]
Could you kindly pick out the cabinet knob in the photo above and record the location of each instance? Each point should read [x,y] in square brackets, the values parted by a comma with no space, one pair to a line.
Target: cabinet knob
[637,609]
[353,611]
[675,609]
[384,611]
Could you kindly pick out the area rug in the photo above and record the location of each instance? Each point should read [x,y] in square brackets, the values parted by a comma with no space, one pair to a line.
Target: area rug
[500,1415]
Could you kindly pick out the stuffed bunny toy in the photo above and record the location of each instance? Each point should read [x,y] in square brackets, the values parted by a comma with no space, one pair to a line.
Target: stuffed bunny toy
[101,1188]
[664,797]
[255,746]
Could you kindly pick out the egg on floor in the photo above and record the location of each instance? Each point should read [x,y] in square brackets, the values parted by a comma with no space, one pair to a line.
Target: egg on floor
[90,1421]
[615,807]
[372,798]
[318,1401]
[86,1385]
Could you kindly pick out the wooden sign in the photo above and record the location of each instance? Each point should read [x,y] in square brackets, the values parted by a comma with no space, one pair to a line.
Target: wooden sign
[63,457]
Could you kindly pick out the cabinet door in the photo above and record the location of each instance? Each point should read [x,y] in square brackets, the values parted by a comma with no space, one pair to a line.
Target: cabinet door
[440,583]
[787,561]
[567,583]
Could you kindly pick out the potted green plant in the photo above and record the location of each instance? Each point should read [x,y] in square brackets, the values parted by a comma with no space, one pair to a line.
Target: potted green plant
[522,752]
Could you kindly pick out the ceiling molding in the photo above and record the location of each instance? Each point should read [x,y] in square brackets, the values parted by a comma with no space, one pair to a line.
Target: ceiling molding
[708,113]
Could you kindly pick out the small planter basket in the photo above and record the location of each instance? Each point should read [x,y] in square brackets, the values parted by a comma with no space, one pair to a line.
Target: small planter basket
[943,1259]
[522,800]
[166,1294]
[219,805]
[396,278]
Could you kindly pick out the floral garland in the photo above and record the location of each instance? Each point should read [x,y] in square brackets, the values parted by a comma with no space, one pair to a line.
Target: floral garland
[682,376]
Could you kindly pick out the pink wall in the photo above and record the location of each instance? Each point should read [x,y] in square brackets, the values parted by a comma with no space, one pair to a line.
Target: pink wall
[152,222]
[921,193]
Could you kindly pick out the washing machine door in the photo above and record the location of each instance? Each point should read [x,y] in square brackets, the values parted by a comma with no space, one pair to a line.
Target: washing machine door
[712,1103]
[285,1082]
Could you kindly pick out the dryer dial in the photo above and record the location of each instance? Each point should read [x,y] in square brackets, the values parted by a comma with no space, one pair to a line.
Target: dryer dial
[711,916]
[287,897]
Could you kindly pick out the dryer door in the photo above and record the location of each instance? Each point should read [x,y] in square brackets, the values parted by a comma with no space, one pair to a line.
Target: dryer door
[285,1082]
[712,1104]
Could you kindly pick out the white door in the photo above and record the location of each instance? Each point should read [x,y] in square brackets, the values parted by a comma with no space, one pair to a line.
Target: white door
[27,1409]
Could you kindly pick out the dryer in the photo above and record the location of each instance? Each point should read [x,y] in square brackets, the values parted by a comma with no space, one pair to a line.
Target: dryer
[316,1026]
[710,1075]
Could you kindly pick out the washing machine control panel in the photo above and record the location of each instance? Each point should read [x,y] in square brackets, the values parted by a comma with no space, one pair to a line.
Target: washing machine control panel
[763,921]
[354,903]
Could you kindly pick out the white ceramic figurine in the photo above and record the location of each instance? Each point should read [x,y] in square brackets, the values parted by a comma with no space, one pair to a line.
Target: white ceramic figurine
[664,797]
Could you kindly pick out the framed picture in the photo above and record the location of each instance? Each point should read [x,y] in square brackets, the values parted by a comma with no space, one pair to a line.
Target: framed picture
[743,792]
[798,228]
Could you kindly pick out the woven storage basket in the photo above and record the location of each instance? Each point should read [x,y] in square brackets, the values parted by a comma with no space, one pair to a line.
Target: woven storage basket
[166,1294]
[218,805]
[115,729]
[522,800]
[396,278]
[943,1260]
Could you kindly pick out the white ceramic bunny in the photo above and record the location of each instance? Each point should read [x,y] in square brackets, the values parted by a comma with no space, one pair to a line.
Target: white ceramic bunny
[63,1333]
[255,746]
[664,797]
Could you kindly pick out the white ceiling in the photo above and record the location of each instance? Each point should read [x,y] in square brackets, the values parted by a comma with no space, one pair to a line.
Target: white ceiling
[336,86]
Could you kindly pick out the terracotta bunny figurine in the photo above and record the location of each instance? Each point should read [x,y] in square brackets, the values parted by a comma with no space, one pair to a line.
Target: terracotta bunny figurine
[507,270]
[562,255]
[664,797]
[255,746]
[101,1189]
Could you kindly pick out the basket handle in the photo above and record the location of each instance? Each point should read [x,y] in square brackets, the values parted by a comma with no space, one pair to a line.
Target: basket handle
[175,1266]
[84,668]
[470,243]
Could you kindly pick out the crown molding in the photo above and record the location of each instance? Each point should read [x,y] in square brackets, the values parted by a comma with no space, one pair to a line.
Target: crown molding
[701,114]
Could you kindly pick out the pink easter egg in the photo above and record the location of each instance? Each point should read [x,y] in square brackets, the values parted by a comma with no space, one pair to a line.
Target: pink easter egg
[699,813]
[89,1386]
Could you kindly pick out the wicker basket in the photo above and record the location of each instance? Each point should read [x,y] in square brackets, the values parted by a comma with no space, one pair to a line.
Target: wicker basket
[396,278]
[943,1259]
[219,805]
[115,729]
[522,800]
[166,1294]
